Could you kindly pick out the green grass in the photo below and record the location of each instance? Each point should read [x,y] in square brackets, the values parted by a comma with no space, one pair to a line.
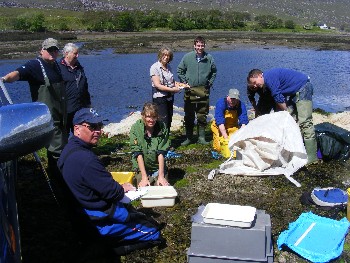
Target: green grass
[53,17]
[182,183]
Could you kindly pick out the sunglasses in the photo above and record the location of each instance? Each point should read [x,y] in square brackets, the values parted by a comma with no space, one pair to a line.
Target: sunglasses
[93,127]
[52,49]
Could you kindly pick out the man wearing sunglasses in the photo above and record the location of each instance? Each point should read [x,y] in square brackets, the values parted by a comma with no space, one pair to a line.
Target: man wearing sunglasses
[46,85]
[97,194]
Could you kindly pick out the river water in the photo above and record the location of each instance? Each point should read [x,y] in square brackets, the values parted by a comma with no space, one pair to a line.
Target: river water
[120,83]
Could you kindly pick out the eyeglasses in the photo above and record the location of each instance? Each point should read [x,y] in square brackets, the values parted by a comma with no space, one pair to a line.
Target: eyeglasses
[52,49]
[93,127]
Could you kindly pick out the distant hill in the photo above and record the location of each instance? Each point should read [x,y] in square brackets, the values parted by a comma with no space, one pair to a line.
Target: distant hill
[335,13]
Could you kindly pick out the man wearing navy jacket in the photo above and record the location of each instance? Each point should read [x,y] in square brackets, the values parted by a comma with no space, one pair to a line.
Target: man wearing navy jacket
[94,189]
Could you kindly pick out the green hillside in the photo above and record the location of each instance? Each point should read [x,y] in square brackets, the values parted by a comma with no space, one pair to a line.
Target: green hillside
[334,13]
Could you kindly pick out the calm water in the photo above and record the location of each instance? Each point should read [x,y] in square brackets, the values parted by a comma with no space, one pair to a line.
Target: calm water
[120,84]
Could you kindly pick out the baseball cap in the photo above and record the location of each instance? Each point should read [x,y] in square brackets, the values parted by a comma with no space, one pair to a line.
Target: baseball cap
[50,42]
[233,94]
[88,115]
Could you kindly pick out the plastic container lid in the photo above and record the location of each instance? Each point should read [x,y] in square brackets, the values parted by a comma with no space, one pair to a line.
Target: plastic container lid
[159,192]
[230,215]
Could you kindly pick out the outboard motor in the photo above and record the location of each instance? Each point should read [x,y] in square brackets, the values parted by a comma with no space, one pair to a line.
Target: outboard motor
[24,128]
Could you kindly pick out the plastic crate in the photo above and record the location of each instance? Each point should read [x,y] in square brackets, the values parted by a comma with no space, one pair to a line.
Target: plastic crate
[216,243]
[123,177]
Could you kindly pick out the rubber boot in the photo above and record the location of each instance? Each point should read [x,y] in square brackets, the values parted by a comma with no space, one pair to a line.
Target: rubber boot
[311,150]
[189,135]
[201,138]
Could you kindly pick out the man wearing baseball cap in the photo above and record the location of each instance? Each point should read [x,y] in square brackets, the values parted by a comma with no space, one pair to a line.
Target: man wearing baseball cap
[46,85]
[230,115]
[95,191]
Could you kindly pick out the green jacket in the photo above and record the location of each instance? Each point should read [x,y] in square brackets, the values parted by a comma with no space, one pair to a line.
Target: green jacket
[149,147]
[195,73]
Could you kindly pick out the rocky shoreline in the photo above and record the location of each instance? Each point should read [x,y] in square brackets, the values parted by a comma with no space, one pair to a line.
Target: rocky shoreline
[14,45]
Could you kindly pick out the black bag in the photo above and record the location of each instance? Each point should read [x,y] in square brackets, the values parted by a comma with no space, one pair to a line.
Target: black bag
[333,141]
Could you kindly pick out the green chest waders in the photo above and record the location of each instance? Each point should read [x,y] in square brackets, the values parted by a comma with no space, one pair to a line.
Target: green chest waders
[54,96]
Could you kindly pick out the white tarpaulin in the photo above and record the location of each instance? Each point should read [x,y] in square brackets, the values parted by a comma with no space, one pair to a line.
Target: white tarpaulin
[269,145]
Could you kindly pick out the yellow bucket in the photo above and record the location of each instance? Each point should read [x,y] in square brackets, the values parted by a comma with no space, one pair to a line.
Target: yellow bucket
[123,177]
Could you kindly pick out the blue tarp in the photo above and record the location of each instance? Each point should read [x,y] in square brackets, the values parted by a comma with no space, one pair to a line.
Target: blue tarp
[318,239]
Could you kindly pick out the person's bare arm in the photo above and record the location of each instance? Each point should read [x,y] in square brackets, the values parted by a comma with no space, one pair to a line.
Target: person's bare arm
[11,77]
[223,131]
[161,172]
[160,86]
[141,164]
[281,106]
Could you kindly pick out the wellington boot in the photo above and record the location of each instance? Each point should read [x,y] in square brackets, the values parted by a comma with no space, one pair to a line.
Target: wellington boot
[201,138]
[311,151]
[186,142]
[189,135]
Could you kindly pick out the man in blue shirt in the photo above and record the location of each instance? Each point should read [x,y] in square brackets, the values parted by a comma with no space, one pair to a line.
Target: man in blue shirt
[230,115]
[46,85]
[292,91]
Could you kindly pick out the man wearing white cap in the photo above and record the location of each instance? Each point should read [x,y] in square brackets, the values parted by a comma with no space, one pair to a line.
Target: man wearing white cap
[230,115]
[46,85]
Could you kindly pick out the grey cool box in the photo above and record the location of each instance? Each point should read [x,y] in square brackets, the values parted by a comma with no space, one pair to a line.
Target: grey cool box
[216,243]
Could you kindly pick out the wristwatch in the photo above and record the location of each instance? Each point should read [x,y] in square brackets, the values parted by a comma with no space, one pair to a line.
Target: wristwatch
[3,79]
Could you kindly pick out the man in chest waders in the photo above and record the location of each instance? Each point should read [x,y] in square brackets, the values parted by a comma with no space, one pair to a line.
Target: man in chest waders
[197,69]
[230,115]
[46,85]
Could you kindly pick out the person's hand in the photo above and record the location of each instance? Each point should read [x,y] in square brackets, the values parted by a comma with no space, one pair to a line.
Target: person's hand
[182,85]
[128,187]
[176,89]
[144,182]
[162,182]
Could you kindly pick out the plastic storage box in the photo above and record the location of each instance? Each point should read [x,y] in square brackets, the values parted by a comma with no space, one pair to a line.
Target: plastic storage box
[159,196]
[123,177]
[223,244]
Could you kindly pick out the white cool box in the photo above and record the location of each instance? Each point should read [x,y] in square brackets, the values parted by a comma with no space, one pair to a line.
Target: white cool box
[158,196]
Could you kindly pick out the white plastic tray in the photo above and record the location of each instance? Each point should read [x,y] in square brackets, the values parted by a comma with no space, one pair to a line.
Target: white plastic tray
[158,196]
[229,215]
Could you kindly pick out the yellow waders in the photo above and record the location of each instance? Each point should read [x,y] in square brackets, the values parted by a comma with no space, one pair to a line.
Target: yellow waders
[231,126]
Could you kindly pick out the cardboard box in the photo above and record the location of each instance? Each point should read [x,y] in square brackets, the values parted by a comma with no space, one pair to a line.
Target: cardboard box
[123,177]
[159,196]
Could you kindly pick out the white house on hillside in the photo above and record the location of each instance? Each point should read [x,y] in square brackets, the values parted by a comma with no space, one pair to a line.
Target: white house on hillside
[324,26]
